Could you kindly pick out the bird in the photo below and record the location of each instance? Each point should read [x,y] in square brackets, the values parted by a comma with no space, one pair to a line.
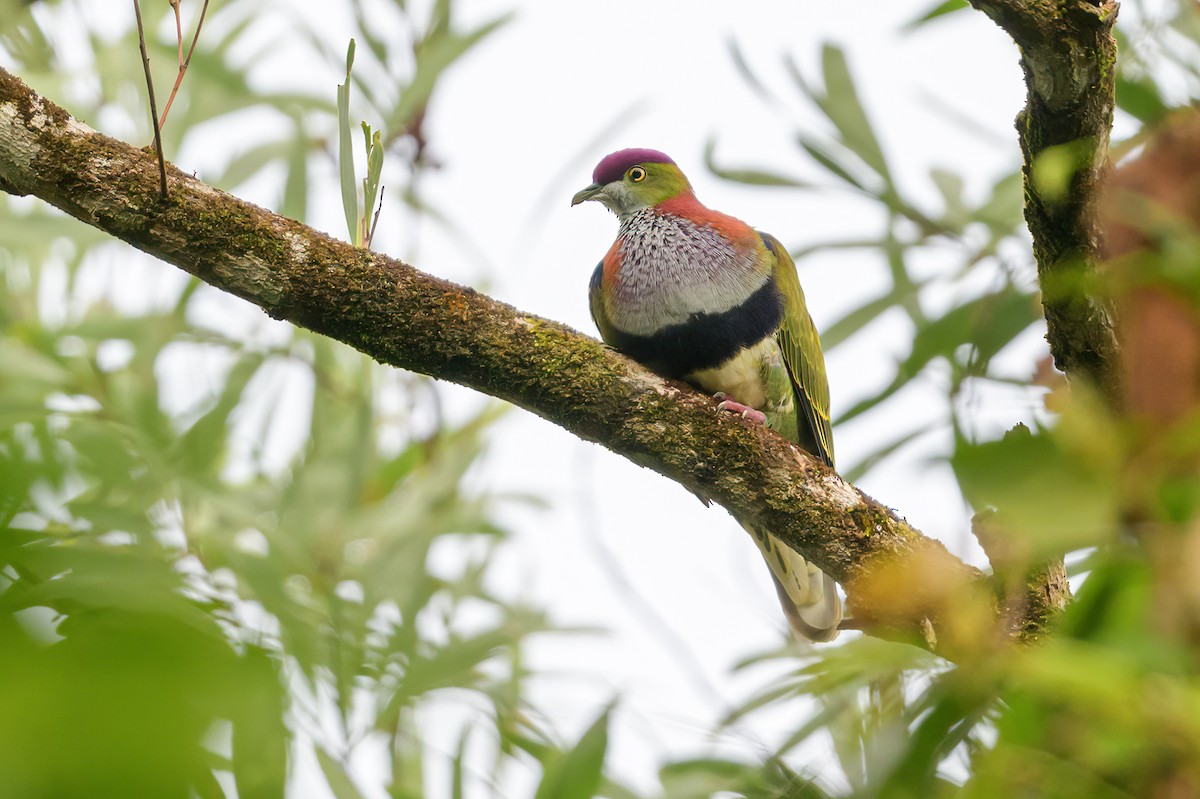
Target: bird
[697,295]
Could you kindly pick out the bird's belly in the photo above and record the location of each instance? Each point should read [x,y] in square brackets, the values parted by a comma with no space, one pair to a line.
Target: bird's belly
[741,377]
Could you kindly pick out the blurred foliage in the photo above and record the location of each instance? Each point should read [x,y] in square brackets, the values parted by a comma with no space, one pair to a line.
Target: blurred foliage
[1105,705]
[963,311]
[192,602]
[359,221]
[192,606]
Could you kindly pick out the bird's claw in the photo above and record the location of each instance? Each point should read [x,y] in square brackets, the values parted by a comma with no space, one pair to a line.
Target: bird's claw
[745,411]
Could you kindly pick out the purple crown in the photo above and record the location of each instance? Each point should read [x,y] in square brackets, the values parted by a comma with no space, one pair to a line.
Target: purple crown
[613,165]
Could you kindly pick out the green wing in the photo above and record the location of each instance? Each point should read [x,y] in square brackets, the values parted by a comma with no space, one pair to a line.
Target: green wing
[800,346]
[596,305]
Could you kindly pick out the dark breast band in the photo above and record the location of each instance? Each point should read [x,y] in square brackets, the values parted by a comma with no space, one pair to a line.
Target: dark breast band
[706,339]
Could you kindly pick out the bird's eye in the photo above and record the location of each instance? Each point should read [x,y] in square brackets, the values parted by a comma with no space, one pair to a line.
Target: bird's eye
[636,174]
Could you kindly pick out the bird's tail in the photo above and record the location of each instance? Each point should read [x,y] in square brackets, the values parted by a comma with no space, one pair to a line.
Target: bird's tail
[809,596]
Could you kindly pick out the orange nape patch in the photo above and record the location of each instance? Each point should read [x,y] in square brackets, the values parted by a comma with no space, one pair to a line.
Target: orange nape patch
[686,206]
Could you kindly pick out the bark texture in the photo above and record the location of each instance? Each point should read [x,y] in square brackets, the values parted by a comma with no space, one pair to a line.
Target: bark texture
[1069,56]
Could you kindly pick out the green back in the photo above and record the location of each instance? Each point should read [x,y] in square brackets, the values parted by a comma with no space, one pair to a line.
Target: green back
[801,348]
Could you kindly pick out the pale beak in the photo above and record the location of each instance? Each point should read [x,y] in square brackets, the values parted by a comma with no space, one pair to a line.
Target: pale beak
[587,194]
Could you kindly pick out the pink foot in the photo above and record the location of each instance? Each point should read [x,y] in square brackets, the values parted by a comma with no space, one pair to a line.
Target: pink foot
[745,411]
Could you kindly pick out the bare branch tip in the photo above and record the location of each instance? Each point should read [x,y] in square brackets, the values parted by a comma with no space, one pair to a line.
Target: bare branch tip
[162,164]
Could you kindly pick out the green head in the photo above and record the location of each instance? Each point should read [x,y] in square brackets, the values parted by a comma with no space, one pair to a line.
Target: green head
[630,180]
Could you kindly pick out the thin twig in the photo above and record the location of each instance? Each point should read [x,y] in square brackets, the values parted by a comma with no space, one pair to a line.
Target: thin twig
[178,30]
[375,221]
[162,164]
[183,66]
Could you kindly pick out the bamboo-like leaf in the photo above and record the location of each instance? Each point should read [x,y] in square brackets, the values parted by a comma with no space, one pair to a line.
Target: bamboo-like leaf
[1141,98]
[260,738]
[747,73]
[295,190]
[955,213]
[457,777]
[937,11]
[1002,211]
[576,773]
[858,318]
[753,177]
[248,164]
[841,104]
[204,444]
[948,720]
[23,38]
[855,472]
[367,28]
[833,161]
[371,181]
[346,153]
[335,775]
[986,323]
[436,55]
[1047,501]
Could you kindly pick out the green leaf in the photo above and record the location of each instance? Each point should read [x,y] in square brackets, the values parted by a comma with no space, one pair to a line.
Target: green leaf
[346,153]
[1003,211]
[337,778]
[1141,98]
[855,472]
[204,444]
[112,578]
[260,738]
[1048,501]
[944,724]
[435,55]
[1055,168]
[830,157]
[747,73]
[939,10]
[295,190]
[752,177]
[371,182]
[843,107]
[986,323]
[700,778]
[248,164]
[862,316]
[955,214]
[457,781]
[455,664]
[23,38]
[576,774]
[21,363]
[705,777]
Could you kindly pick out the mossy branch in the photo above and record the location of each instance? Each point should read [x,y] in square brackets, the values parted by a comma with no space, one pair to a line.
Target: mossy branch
[1068,55]
[899,582]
